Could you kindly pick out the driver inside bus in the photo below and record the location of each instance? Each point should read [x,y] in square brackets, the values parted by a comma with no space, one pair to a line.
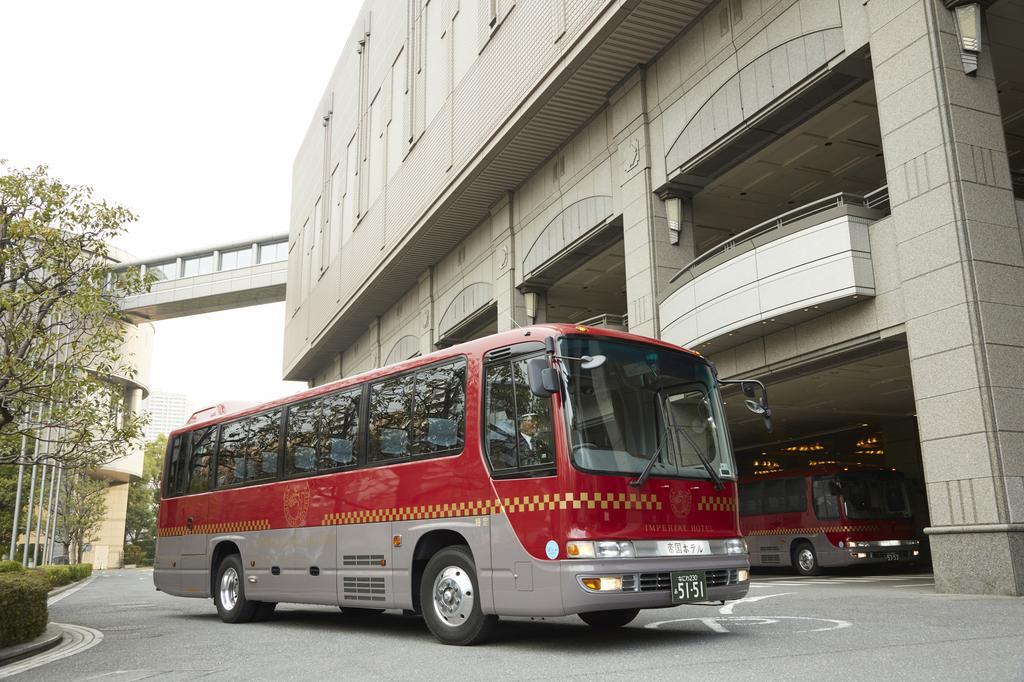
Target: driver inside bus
[532,450]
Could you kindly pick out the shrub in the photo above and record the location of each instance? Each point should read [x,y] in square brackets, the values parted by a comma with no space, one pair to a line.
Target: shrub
[23,612]
[133,554]
[57,575]
[80,571]
[11,567]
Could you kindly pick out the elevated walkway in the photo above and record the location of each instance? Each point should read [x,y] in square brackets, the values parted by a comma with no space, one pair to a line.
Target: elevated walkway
[235,275]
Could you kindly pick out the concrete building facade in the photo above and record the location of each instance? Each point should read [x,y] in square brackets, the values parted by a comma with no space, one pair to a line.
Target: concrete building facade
[826,194]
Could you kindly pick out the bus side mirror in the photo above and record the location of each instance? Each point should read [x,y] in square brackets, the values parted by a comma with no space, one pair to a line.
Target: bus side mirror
[543,379]
[753,403]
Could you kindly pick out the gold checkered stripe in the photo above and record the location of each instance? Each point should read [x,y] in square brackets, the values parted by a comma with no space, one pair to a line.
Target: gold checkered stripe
[549,502]
[717,504]
[811,531]
[205,528]
[416,513]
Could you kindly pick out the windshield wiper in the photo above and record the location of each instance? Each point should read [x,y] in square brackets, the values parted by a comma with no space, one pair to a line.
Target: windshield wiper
[657,453]
[719,484]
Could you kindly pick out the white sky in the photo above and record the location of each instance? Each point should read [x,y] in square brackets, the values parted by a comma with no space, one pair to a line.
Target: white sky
[190,113]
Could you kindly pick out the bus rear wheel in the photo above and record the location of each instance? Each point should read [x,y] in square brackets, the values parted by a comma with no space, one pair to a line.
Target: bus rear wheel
[229,593]
[609,620]
[805,559]
[448,593]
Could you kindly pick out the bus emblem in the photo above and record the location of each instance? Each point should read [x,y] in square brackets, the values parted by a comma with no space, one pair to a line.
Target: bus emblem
[296,503]
[681,501]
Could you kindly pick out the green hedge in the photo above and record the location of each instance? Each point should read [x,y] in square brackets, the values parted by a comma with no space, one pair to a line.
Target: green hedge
[23,613]
[65,575]
[11,567]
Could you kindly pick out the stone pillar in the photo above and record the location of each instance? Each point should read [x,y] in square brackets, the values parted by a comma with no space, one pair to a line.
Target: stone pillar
[651,258]
[511,306]
[427,331]
[962,270]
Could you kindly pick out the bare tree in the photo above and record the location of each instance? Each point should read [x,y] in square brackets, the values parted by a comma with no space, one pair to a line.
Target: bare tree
[61,332]
[83,506]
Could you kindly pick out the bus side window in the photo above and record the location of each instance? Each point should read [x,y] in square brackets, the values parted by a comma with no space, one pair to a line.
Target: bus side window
[301,438]
[439,409]
[173,453]
[750,499]
[263,431]
[390,417]
[501,417]
[518,424]
[796,495]
[826,505]
[200,455]
[338,427]
[230,455]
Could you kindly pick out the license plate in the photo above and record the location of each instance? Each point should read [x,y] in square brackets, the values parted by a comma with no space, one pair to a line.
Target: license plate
[892,556]
[689,586]
[684,547]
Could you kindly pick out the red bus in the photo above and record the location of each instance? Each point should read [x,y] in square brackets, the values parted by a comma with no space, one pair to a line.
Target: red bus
[545,471]
[828,516]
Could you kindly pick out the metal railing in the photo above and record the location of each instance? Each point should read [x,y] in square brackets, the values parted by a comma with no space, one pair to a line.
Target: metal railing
[877,199]
[208,261]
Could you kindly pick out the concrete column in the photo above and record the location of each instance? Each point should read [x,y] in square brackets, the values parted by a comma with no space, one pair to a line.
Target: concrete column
[511,305]
[962,270]
[651,258]
[427,332]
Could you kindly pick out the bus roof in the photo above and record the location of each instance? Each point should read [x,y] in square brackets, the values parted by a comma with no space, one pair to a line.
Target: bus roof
[233,409]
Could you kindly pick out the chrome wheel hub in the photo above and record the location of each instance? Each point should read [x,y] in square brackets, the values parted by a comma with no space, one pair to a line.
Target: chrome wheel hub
[806,559]
[229,589]
[453,596]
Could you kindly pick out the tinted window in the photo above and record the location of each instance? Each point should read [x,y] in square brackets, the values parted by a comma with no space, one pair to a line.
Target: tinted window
[231,454]
[203,442]
[261,451]
[390,418]
[751,502]
[338,428]
[439,409]
[796,495]
[826,505]
[173,467]
[774,496]
[302,438]
[518,424]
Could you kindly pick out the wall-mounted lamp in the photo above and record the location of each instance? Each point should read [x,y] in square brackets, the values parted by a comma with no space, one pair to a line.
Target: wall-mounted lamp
[967,17]
[531,304]
[674,211]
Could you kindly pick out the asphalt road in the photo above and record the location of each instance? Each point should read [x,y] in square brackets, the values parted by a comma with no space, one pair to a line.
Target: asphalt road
[849,626]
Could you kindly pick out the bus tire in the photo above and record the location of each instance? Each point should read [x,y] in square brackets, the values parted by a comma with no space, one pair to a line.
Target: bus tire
[449,595]
[357,612]
[609,620]
[229,592]
[805,559]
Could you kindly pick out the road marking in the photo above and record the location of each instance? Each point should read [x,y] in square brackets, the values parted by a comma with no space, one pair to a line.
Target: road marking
[77,638]
[715,624]
[727,609]
[67,593]
[896,587]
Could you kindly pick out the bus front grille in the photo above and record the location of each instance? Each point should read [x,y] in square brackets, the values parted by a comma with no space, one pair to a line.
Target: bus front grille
[662,582]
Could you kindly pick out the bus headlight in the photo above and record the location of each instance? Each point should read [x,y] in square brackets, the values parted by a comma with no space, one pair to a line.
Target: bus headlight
[736,546]
[601,549]
[606,583]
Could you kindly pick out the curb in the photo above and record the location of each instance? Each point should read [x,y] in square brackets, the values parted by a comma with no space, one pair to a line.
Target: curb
[50,638]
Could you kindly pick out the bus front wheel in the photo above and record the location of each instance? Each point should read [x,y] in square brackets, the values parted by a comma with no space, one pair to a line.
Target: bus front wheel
[449,595]
[229,593]
[805,559]
[609,620]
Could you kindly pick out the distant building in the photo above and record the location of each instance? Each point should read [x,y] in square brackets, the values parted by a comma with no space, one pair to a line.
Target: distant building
[167,411]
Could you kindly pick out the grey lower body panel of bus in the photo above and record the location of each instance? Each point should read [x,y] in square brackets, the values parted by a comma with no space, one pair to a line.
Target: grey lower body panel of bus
[358,566]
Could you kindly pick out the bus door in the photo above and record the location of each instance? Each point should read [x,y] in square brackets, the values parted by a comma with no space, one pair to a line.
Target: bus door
[192,511]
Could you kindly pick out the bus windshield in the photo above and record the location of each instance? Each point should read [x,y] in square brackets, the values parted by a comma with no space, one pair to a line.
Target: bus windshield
[874,495]
[644,402]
